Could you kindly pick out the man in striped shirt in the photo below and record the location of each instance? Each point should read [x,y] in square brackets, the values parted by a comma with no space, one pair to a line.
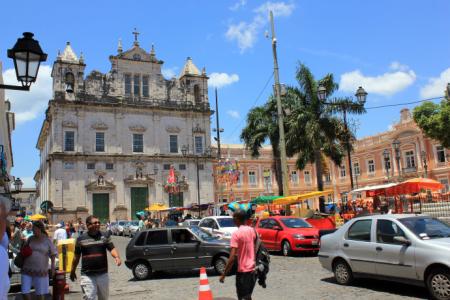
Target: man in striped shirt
[91,247]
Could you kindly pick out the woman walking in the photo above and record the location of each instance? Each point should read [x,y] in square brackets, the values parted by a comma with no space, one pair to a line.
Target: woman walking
[4,266]
[35,267]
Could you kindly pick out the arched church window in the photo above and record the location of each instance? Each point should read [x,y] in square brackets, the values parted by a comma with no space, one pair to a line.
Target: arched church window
[197,93]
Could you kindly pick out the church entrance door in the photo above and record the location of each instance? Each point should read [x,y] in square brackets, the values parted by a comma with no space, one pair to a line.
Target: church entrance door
[100,206]
[139,200]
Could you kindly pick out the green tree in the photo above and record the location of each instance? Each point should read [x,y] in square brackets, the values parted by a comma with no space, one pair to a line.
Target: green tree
[313,131]
[262,127]
[434,120]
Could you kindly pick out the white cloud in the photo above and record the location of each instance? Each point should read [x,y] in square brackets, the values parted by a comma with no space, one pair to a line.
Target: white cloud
[29,105]
[238,4]
[219,80]
[234,114]
[279,9]
[399,78]
[436,86]
[245,33]
[169,73]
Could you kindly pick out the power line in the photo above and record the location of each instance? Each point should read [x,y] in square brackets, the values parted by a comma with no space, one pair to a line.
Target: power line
[253,105]
[405,103]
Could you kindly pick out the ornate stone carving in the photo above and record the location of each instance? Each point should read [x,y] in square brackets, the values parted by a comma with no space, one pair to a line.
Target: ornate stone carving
[139,178]
[173,129]
[198,129]
[100,184]
[69,124]
[137,128]
[100,173]
[99,125]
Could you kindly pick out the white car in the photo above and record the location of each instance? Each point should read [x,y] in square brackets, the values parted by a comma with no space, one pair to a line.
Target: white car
[405,248]
[222,226]
[118,228]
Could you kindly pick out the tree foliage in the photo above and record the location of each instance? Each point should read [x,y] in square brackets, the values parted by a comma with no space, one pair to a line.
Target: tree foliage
[434,120]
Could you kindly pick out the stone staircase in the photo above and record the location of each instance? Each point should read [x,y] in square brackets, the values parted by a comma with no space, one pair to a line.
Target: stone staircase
[440,210]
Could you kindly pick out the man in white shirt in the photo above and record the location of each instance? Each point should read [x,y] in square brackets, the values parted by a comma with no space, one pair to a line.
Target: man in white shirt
[60,234]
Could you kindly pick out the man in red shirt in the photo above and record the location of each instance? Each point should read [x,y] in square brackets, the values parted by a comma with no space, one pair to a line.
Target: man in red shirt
[243,246]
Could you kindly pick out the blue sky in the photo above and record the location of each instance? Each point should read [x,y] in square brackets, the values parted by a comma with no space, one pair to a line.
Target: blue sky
[397,50]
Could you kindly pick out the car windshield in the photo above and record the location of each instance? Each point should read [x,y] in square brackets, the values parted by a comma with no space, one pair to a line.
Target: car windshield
[194,222]
[135,223]
[203,234]
[121,223]
[426,228]
[226,222]
[295,223]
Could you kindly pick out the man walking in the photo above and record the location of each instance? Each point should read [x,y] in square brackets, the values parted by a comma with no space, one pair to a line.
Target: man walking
[243,245]
[91,247]
[59,234]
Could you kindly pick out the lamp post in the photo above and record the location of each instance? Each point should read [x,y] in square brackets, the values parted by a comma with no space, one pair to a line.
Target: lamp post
[217,129]
[206,153]
[386,155]
[361,96]
[424,161]
[27,56]
[396,145]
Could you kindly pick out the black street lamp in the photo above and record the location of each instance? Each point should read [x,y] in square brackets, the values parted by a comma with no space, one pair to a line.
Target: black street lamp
[396,145]
[386,155]
[27,56]
[425,164]
[361,96]
[207,154]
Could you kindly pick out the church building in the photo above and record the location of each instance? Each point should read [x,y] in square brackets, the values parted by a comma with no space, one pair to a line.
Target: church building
[109,141]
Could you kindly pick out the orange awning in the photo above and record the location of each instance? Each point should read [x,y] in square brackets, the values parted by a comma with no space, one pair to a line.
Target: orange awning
[415,185]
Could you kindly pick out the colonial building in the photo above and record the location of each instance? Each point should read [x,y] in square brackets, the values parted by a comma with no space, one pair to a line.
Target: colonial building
[109,140]
[7,125]
[416,156]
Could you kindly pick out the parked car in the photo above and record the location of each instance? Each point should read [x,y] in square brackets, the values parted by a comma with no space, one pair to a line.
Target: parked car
[221,226]
[175,248]
[190,222]
[118,228]
[404,248]
[288,234]
[111,226]
[130,228]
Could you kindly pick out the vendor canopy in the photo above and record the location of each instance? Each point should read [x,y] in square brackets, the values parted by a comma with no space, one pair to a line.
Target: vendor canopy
[374,189]
[299,198]
[415,185]
[157,207]
[37,217]
[264,199]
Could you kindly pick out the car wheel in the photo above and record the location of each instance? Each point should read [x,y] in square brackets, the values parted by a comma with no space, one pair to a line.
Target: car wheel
[286,248]
[342,272]
[141,270]
[438,284]
[220,264]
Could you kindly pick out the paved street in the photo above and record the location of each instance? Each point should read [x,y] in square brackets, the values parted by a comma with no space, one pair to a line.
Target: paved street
[289,278]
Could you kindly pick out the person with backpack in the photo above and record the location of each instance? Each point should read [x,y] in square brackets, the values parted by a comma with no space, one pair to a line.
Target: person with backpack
[243,247]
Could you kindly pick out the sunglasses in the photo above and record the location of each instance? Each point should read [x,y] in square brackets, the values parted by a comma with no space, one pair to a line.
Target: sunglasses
[94,223]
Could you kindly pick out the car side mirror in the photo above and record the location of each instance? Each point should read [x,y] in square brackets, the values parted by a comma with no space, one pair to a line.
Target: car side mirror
[402,240]
[276,227]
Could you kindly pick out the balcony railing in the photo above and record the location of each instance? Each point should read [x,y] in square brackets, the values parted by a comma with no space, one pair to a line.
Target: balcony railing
[410,170]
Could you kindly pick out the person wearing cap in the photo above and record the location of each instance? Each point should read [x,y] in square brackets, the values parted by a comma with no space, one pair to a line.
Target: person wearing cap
[60,234]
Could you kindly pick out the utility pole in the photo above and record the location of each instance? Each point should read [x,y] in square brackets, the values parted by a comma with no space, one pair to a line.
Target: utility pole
[284,173]
[217,129]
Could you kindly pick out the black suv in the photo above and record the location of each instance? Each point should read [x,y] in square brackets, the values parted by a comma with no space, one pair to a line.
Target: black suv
[175,248]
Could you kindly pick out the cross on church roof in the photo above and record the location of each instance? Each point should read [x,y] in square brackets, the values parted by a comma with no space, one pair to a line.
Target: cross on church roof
[136,33]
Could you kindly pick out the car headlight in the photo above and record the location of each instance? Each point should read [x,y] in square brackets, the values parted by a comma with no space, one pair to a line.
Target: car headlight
[227,234]
[298,236]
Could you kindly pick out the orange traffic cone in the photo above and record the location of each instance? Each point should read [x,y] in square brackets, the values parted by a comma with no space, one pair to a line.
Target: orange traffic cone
[204,292]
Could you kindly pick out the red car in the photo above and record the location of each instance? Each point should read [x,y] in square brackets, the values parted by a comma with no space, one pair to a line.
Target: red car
[288,234]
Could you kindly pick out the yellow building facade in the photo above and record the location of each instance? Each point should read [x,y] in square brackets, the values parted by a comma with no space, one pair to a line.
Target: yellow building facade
[400,153]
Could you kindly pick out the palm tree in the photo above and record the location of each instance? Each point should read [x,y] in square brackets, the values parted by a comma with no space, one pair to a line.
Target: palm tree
[313,132]
[261,127]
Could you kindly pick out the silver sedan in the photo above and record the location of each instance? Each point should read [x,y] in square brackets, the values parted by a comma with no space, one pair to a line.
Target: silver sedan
[405,248]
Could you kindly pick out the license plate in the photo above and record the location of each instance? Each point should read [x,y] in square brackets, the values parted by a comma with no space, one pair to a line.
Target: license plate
[315,242]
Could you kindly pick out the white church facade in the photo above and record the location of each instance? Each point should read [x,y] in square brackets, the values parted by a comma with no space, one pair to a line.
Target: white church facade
[109,140]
